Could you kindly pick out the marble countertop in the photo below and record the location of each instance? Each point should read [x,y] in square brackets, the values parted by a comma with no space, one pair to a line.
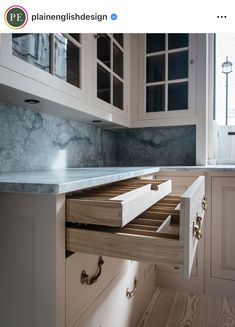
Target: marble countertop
[67,180]
[61,181]
[225,168]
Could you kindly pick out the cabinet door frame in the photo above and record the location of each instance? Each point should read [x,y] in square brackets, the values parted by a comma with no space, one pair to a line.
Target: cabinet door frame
[92,98]
[162,117]
[9,61]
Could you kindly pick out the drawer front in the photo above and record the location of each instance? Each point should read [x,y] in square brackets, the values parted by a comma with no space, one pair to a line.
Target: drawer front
[112,307]
[76,304]
[191,210]
[115,204]
[163,234]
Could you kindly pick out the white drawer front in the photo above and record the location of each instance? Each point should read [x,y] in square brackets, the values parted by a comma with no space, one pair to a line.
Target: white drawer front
[190,209]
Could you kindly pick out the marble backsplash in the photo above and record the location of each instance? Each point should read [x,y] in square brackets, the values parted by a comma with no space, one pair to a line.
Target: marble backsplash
[34,141]
[159,146]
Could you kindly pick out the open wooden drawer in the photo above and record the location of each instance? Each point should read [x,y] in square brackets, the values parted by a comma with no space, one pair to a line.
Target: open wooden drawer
[115,204]
[167,233]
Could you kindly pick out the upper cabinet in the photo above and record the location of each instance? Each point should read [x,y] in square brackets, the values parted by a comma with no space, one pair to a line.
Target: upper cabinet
[128,80]
[167,79]
[77,76]
[110,71]
[56,60]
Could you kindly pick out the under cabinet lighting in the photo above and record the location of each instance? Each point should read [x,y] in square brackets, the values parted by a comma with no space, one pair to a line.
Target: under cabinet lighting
[31,101]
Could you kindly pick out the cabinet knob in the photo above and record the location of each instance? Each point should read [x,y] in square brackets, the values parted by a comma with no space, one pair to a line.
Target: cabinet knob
[197,228]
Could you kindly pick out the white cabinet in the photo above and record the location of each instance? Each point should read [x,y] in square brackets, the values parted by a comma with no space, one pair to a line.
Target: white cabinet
[220,269]
[105,303]
[67,74]
[123,79]
[167,233]
[167,80]
[109,74]
[169,277]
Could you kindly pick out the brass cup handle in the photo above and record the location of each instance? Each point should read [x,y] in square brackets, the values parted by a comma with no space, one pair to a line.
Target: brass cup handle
[85,276]
[197,228]
[130,294]
[204,203]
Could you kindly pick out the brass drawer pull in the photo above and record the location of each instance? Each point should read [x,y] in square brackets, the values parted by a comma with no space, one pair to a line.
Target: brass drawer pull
[197,228]
[130,294]
[85,276]
[204,203]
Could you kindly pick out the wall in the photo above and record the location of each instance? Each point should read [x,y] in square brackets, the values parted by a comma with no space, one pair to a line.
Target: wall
[163,146]
[34,141]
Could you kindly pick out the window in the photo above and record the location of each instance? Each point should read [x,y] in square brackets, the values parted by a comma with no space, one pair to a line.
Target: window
[57,54]
[225,79]
[223,127]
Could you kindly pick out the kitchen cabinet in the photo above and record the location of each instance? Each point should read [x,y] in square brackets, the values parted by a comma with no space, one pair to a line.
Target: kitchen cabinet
[100,77]
[168,277]
[105,303]
[109,73]
[220,263]
[37,280]
[166,233]
[51,59]
[167,78]
[61,72]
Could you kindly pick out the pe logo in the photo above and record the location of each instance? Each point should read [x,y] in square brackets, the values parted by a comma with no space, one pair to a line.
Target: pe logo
[16,17]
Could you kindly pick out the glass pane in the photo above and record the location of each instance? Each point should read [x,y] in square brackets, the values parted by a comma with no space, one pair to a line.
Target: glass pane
[75,36]
[73,64]
[155,42]
[155,98]
[177,41]
[103,49]
[32,48]
[66,60]
[118,38]
[117,61]
[178,65]
[117,93]
[155,68]
[103,84]
[178,96]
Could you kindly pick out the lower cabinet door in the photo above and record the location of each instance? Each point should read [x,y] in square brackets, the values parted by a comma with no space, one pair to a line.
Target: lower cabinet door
[118,298]
[166,234]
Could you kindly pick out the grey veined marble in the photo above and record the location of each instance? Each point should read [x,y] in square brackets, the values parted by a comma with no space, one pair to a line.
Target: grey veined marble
[34,141]
[157,146]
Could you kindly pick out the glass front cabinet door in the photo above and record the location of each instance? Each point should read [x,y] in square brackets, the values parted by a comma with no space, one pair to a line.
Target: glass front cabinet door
[111,72]
[55,60]
[167,75]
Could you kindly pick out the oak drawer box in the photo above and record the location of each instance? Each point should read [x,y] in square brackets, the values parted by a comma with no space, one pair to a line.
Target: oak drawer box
[167,233]
[115,204]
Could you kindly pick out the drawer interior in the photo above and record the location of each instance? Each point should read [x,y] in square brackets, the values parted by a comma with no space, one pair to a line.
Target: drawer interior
[115,204]
[160,220]
[153,236]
